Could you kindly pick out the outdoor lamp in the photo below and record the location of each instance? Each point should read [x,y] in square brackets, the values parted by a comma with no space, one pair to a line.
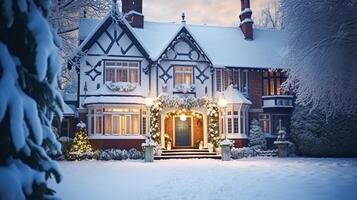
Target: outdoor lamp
[222,102]
[149,102]
[183,117]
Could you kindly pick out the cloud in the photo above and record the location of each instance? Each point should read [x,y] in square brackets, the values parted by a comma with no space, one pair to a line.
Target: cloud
[212,12]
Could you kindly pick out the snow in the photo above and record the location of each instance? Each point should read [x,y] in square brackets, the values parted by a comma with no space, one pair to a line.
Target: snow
[233,96]
[246,10]
[114,99]
[252,178]
[225,46]
[67,110]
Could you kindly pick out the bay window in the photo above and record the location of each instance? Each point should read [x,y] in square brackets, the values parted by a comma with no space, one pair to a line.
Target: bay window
[114,120]
[122,71]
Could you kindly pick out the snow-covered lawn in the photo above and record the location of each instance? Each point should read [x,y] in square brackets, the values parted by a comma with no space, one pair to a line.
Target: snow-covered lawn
[254,178]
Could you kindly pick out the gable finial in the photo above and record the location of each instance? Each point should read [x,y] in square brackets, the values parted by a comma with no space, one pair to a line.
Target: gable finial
[183,17]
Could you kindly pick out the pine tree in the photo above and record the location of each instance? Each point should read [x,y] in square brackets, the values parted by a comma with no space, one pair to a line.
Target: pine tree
[81,145]
[256,136]
[29,100]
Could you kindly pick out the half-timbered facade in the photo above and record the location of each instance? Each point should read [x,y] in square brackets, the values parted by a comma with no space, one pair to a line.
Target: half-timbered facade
[123,61]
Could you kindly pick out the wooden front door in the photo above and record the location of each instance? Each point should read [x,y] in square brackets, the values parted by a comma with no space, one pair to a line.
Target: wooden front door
[182,132]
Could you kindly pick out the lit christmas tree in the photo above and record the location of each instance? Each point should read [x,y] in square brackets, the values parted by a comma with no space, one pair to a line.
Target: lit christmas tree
[80,147]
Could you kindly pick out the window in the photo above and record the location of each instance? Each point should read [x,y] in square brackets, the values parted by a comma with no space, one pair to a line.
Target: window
[183,75]
[264,122]
[122,71]
[114,121]
[237,77]
[272,81]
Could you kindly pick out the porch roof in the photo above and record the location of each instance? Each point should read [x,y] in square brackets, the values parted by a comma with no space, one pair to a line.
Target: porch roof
[233,96]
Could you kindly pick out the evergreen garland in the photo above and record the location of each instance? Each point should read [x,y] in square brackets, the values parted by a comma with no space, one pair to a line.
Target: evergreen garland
[81,146]
[165,101]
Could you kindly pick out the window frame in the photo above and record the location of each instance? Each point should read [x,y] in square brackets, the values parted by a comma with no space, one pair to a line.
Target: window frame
[273,77]
[127,68]
[192,72]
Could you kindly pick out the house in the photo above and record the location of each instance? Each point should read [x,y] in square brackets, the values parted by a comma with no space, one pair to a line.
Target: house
[126,64]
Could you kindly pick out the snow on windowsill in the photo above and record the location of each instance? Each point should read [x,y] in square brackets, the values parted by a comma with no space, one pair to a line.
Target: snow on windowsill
[100,136]
[237,136]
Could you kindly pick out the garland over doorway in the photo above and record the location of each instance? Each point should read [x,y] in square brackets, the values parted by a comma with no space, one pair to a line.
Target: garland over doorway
[184,103]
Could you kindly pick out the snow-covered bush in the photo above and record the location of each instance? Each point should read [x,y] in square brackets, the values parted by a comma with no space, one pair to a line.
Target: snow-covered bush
[135,154]
[244,152]
[97,153]
[256,136]
[124,154]
[105,155]
[29,100]
[315,135]
[115,154]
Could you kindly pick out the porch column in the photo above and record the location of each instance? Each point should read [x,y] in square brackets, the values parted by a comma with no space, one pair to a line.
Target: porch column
[162,128]
[205,131]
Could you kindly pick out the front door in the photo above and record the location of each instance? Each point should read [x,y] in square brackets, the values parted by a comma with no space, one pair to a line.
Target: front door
[183,132]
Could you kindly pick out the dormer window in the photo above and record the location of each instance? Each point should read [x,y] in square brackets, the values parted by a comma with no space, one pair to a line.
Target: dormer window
[122,71]
[183,75]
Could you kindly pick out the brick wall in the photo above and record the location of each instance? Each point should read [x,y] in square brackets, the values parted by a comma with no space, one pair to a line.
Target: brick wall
[255,84]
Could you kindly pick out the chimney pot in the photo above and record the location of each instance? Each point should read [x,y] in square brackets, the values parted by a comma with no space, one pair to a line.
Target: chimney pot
[246,23]
[134,10]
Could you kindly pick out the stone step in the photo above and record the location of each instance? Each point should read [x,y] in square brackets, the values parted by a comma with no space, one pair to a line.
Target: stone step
[187,153]
[186,157]
[185,150]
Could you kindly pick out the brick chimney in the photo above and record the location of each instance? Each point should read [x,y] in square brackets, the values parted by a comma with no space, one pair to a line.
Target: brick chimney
[246,22]
[134,10]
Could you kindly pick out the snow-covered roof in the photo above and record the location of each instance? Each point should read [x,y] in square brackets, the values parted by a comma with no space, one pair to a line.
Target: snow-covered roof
[67,110]
[225,46]
[233,96]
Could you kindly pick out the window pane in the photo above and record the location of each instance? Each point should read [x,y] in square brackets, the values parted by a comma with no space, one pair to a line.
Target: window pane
[264,122]
[225,79]
[235,125]
[124,125]
[98,124]
[122,75]
[178,78]
[116,124]
[244,84]
[266,87]
[135,124]
[278,89]
[236,78]
[108,124]
[133,75]
[242,124]
[284,122]
[272,86]
[110,74]
[219,80]
[229,125]
[188,78]
[64,127]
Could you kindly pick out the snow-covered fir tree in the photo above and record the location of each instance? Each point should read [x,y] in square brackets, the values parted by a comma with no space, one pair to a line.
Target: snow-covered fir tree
[29,100]
[321,54]
[256,136]
[80,145]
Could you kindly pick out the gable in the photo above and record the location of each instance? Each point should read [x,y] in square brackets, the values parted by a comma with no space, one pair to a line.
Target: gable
[184,47]
[111,37]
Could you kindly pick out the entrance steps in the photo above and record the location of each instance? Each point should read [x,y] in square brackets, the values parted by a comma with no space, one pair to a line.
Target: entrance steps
[187,154]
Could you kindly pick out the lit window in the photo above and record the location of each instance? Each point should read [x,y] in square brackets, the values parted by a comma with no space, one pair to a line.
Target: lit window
[272,82]
[119,71]
[183,75]
[264,122]
[115,121]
